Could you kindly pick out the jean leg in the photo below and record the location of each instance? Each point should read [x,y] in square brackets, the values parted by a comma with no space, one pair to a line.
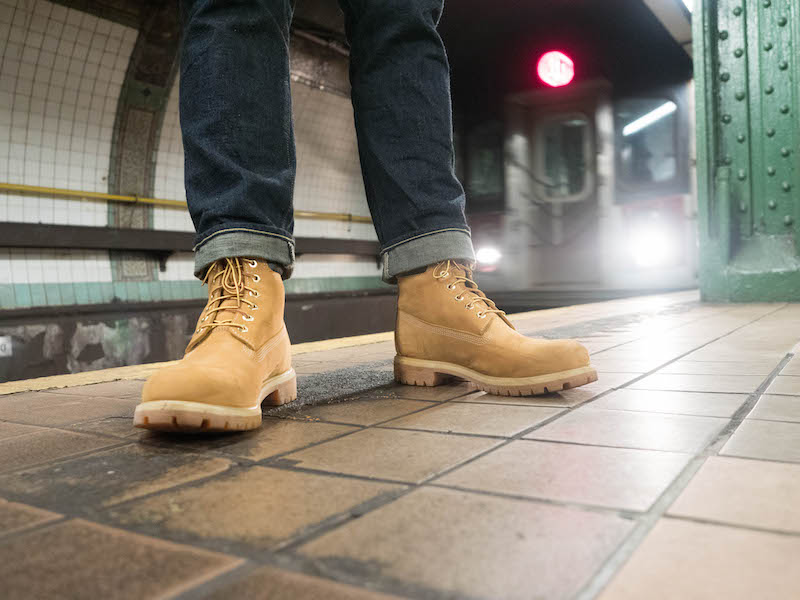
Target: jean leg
[400,81]
[236,119]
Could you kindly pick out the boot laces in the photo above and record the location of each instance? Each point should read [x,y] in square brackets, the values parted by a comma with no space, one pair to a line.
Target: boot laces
[442,271]
[231,284]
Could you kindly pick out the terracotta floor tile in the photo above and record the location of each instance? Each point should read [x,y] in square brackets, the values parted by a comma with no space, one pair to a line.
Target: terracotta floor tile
[627,429]
[109,477]
[547,400]
[259,506]
[692,367]
[110,563]
[46,408]
[112,389]
[627,354]
[777,408]
[700,383]
[275,436]
[737,354]
[270,583]
[687,403]
[9,430]
[121,427]
[792,367]
[481,419]
[737,491]
[785,384]
[626,365]
[566,398]
[434,394]
[456,544]
[411,456]
[36,448]
[16,517]
[362,411]
[605,382]
[767,440]
[612,477]
[685,560]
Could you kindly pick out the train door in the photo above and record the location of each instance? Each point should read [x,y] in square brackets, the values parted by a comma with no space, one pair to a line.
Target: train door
[557,149]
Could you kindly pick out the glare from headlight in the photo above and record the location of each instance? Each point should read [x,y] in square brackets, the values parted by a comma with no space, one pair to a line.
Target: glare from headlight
[488,256]
[651,246]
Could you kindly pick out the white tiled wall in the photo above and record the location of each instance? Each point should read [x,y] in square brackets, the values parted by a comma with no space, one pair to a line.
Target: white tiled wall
[331,265]
[180,267]
[61,71]
[68,266]
[328,171]
[169,157]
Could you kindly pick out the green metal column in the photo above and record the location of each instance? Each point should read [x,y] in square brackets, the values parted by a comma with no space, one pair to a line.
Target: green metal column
[747,75]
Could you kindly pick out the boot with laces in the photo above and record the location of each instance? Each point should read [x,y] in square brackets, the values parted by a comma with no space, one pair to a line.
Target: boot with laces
[239,356]
[448,329]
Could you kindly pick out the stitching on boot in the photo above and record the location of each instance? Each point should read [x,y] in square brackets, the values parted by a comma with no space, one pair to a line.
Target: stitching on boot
[268,346]
[445,331]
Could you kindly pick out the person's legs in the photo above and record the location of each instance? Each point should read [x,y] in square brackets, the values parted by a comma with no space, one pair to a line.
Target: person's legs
[446,327]
[400,81]
[236,118]
[240,164]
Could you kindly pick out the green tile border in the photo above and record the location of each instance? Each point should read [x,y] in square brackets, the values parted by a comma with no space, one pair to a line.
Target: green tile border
[14,296]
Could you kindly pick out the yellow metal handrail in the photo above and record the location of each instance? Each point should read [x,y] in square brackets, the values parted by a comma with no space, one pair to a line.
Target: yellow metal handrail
[47,191]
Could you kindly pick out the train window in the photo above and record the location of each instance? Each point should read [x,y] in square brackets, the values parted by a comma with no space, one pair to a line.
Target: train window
[563,151]
[647,140]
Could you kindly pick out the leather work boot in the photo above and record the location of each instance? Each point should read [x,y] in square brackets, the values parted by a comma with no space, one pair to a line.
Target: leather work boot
[239,356]
[447,328]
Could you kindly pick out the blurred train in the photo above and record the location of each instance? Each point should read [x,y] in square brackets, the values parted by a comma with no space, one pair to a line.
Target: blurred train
[598,193]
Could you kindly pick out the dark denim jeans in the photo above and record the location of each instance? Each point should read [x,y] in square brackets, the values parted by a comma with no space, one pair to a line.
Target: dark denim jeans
[235,108]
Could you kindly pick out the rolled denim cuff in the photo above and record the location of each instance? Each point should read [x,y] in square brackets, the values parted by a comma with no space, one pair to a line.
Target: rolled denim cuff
[426,249]
[270,247]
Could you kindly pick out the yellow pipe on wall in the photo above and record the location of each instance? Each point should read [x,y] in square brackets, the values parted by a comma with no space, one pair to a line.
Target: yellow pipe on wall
[48,191]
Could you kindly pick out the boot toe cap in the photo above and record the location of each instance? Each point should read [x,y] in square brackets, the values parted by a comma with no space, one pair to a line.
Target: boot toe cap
[209,386]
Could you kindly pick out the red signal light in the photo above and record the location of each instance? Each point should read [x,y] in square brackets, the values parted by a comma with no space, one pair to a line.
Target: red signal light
[555,68]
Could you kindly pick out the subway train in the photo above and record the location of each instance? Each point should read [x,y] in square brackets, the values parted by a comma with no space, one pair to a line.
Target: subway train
[577,151]
[598,191]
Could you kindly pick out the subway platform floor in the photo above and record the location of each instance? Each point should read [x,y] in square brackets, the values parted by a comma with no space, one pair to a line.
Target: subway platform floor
[676,475]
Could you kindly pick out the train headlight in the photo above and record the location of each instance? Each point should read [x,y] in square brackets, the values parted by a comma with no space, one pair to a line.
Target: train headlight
[488,256]
[652,246]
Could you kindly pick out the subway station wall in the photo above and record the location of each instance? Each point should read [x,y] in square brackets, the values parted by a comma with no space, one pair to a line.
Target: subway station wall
[62,74]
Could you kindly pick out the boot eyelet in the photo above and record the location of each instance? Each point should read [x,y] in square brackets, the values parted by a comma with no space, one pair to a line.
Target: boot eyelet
[469,307]
[248,318]
[254,307]
[481,315]
[459,298]
[252,263]
[451,287]
[255,294]
[256,278]
[245,330]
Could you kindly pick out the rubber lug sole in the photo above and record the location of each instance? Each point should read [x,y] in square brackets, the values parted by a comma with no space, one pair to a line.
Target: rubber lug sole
[415,371]
[197,417]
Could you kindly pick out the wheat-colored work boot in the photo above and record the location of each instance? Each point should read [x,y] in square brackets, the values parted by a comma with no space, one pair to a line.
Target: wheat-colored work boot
[447,327]
[239,356]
